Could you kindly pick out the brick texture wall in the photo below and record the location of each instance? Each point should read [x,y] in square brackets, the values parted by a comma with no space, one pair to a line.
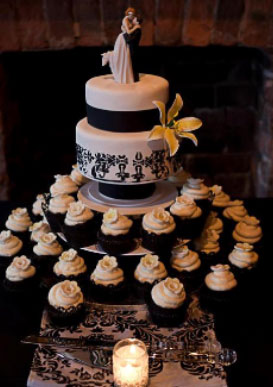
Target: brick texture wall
[234,100]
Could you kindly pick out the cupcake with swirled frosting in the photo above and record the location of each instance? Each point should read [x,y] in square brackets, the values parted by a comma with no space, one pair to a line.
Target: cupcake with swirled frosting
[10,246]
[243,259]
[220,200]
[38,229]
[65,303]
[198,191]
[167,304]
[18,223]
[248,230]
[80,227]
[107,281]
[37,209]
[20,275]
[208,247]
[77,177]
[233,214]
[220,288]
[70,266]
[187,216]
[47,250]
[148,272]
[186,265]
[63,185]
[115,234]
[158,230]
[55,210]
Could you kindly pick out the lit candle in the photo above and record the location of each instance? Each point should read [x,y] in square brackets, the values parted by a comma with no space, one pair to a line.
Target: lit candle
[130,363]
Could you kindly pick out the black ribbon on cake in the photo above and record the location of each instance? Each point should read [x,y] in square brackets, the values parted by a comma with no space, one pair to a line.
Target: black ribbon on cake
[126,121]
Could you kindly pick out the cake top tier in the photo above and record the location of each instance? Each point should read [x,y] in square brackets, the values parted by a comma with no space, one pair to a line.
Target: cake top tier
[105,93]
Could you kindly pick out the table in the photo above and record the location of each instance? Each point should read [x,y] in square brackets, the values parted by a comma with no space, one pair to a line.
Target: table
[248,330]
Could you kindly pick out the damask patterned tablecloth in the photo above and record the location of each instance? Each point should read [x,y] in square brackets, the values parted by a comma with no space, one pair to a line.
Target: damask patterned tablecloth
[114,323]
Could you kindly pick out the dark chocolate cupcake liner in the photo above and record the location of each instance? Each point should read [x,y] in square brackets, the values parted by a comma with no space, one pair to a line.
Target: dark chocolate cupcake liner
[188,228]
[159,244]
[109,293]
[166,317]
[115,245]
[81,235]
[66,317]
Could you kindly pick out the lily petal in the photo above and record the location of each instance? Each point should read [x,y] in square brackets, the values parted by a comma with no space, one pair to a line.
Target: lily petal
[175,108]
[162,110]
[188,124]
[157,132]
[190,136]
[171,140]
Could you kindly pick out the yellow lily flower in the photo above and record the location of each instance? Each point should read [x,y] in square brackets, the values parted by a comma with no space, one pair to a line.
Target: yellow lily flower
[173,131]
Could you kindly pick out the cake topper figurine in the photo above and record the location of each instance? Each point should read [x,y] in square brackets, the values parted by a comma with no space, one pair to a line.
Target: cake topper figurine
[122,60]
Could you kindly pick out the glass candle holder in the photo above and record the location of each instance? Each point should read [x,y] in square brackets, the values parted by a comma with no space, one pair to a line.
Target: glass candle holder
[130,364]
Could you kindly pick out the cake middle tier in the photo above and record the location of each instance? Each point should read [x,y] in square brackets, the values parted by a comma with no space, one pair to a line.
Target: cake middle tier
[120,158]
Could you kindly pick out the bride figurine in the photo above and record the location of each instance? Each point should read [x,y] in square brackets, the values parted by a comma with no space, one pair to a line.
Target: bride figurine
[122,59]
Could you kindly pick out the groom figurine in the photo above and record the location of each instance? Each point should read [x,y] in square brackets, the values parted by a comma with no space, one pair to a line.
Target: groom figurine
[133,40]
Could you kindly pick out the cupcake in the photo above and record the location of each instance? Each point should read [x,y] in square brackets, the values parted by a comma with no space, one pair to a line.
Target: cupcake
[20,275]
[56,210]
[248,230]
[220,288]
[243,259]
[167,303]
[233,214]
[10,246]
[148,272]
[107,280]
[179,178]
[215,223]
[158,233]
[187,216]
[65,303]
[220,199]
[186,265]
[47,250]
[37,209]
[64,185]
[18,222]
[115,236]
[71,266]
[79,226]
[77,177]
[38,229]
[198,191]
[209,248]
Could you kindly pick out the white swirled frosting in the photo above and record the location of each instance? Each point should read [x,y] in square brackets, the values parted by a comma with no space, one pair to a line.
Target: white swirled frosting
[180,177]
[63,185]
[38,229]
[235,210]
[60,203]
[150,269]
[185,207]
[37,205]
[209,242]
[220,279]
[77,177]
[65,294]
[9,244]
[70,263]
[248,230]
[18,220]
[107,272]
[115,224]
[169,293]
[48,245]
[221,199]
[20,269]
[184,259]
[243,256]
[196,189]
[214,223]
[77,213]
[158,221]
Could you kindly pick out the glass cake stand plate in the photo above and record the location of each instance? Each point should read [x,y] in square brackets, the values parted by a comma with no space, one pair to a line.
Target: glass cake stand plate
[164,195]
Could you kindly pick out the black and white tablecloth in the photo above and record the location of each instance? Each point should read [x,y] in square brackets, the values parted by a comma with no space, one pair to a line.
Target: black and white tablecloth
[118,322]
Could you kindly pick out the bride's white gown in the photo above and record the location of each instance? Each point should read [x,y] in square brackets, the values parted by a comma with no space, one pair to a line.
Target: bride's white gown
[120,61]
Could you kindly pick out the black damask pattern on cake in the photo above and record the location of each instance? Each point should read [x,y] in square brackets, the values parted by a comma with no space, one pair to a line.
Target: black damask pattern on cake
[122,162]
[84,158]
[138,163]
[156,162]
